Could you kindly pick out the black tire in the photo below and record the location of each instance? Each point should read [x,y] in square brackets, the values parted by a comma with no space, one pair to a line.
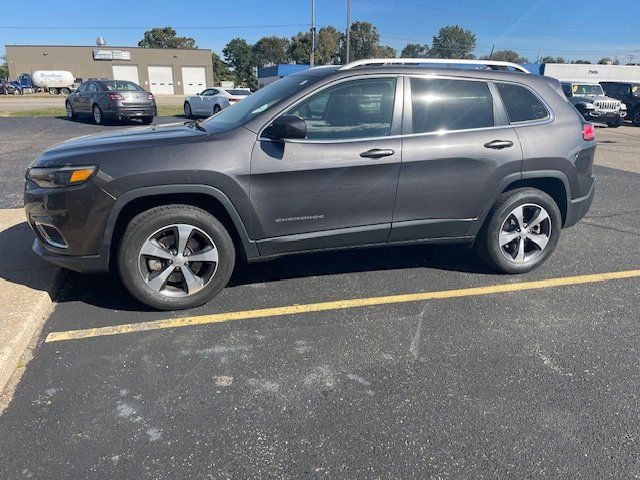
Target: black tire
[98,117]
[53,91]
[635,117]
[487,244]
[143,226]
[615,123]
[147,120]
[65,91]
[216,108]
[187,110]
[69,109]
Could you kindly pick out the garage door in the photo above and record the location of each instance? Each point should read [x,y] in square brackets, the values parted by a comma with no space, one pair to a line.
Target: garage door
[161,80]
[126,72]
[194,80]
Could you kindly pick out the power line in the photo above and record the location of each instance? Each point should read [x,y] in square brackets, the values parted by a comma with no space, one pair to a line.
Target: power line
[216,27]
[494,18]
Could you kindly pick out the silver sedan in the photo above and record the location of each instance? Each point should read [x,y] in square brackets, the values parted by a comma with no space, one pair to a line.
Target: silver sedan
[212,100]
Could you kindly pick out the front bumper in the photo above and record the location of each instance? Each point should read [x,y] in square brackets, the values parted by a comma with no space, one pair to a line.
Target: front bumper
[600,116]
[69,224]
[578,207]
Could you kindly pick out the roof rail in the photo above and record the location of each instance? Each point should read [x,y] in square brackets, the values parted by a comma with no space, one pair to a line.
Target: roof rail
[492,64]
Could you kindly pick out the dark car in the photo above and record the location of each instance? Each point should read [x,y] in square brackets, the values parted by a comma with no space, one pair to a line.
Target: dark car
[9,88]
[592,103]
[329,158]
[111,100]
[628,93]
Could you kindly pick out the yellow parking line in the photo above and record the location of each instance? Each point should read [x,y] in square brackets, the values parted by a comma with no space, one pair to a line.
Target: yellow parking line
[336,305]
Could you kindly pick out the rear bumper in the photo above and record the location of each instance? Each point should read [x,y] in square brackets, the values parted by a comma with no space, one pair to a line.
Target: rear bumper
[578,207]
[117,113]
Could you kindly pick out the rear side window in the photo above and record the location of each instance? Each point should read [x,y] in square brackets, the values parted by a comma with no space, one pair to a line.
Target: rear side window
[521,104]
[439,104]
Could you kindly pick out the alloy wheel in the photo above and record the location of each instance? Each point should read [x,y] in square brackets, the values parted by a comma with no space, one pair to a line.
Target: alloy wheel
[178,260]
[97,115]
[525,233]
[69,110]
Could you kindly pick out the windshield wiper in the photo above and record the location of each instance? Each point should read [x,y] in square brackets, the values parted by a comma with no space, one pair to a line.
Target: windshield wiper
[196,124]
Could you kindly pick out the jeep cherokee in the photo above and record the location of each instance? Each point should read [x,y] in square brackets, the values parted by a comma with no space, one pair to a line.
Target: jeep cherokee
[368,154]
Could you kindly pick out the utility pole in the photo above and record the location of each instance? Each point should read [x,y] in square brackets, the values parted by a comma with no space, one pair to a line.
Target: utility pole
[313,33]
[348,48]
[492,49]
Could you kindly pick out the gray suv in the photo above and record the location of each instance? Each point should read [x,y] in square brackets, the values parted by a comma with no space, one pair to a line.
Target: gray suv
[335,157]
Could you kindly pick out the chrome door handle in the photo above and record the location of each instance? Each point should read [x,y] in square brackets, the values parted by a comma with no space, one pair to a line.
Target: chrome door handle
[377,153]
[499,144]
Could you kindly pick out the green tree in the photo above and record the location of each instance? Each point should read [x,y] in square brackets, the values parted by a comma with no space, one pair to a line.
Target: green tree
[581,62]
[165,38]
[506,56]
[608,61]
[4,68]
[552,60]
[239,56]
[327,46]
[365,41]
[221,70]
[271,51]
[453,41]
[300,48]
[415,50]
[384,51]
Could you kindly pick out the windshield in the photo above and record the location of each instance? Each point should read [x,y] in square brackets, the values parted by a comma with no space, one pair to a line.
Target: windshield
[256,103]
[238,91]
[595,90]
[121,86]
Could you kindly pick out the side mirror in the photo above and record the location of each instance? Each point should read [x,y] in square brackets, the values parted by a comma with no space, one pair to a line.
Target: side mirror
[287,127]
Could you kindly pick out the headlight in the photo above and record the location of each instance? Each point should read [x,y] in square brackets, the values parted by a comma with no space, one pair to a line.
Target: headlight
[60,176]
[623,106]
[588,106]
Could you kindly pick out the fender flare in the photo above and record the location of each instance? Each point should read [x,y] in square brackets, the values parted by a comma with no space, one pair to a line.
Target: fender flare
[475,227]
[123,200]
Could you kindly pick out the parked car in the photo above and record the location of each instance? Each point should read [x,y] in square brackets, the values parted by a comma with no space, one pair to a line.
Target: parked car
[111,100]
[212,100]
[333,157]
[9,88]
[629,94]
[594,105]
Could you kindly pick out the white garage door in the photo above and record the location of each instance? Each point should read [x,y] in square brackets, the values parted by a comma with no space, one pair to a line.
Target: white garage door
[161,80]
[194,80]
[126,72]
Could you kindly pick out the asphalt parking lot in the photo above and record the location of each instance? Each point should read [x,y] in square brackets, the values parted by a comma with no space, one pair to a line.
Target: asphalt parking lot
[538,382]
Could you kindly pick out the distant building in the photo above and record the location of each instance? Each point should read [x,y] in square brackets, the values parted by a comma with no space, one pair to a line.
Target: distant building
[159,70]
[267,75]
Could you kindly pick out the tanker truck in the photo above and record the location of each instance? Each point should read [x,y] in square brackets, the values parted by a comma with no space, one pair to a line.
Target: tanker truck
[52,81]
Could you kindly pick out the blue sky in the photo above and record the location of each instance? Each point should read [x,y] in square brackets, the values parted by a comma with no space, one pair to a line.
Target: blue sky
[569,28]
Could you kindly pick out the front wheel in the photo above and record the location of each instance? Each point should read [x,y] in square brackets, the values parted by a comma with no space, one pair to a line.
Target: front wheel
[520,232]
[615,123]
[635,117]
[174,257]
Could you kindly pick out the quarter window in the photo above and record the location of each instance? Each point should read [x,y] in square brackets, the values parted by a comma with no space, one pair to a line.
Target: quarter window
[441,105]
[354,109]
[521,104]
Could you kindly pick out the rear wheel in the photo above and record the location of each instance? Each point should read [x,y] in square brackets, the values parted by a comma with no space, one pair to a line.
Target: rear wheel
[147,120]
[520,232]
[65,91]
[216,108]
[187,110]
[53,91]
[97,115]
[175,257]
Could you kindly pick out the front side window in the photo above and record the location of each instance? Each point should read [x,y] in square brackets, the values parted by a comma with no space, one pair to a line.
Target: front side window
[83,87]
[443,105]
[521,104]
[93,87]
[350,110]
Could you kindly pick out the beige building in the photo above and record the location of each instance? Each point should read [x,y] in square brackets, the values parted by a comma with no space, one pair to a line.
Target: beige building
[159,70]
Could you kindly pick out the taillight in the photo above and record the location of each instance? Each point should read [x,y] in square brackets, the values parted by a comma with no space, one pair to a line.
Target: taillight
[150,97]
[234,100]
[588,132]
[114,96]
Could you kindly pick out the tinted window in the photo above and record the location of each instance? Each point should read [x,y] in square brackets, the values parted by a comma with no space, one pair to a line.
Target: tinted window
[521,104]
[238,91]
[93,87]
[83,87]
[120,85]
[439,104]
[566,88]
[356,109]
